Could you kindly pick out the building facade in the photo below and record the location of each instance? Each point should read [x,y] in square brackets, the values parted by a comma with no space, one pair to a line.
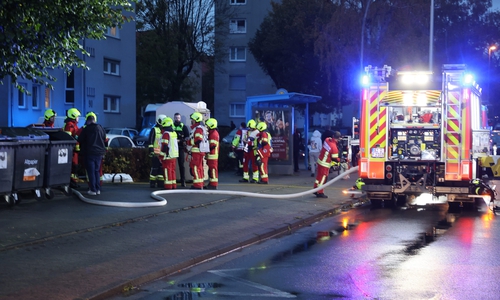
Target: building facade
[239,75]
[107,88]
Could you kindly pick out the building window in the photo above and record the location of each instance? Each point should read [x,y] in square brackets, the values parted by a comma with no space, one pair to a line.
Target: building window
[237,110]
[238,26]
[70,88]
[21,96]
[238,2]
[35,97]
[237,82]
[237,54]
[111,67]
[113,32]
[46,99]
[111,103]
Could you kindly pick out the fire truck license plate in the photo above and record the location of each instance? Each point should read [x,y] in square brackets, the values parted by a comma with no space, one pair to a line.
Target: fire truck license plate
[378,152]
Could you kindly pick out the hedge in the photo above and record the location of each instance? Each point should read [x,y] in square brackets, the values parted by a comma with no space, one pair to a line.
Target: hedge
[137,163]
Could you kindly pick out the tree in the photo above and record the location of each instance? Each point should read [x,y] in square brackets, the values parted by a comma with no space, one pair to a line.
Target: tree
[284,47]
[173,36]
[37,36]
[394,32]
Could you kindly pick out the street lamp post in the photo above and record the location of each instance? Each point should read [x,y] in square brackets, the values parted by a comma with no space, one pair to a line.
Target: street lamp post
[490,49]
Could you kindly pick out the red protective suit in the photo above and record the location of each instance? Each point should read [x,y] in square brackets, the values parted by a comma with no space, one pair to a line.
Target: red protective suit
[196,163]
[48,123]
[213,159]
[167,162]
[329,152]
[263,153]
[249,157]
[71,127]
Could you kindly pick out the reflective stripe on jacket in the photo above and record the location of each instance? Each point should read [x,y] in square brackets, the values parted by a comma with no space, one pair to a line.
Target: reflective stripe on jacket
[213,139]
[328,153]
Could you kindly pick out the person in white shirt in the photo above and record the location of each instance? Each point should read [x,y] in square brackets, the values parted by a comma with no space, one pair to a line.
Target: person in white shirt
[314,146]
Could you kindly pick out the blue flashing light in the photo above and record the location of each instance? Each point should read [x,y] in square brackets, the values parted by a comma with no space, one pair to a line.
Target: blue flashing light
[365,80]
[468,79]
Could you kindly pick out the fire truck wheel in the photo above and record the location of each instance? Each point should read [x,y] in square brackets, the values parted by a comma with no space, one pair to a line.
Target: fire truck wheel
[376,203]
[401,200]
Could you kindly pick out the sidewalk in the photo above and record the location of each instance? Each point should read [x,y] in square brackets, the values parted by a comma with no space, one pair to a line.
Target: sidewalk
[65,248]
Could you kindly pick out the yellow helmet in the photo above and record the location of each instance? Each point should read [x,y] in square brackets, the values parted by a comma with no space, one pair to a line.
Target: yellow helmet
[261,126]
[91,114]
[211,123]
[197,117]
[167,122]
[49,113]
[73,113]
[251,124]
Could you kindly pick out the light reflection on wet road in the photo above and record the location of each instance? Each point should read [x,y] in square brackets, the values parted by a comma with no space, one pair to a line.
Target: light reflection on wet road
[385,254]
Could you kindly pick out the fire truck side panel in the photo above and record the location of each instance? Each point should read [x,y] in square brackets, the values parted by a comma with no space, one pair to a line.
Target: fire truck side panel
[373,138]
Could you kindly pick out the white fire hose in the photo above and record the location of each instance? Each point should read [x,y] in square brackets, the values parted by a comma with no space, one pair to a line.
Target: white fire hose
[162,201]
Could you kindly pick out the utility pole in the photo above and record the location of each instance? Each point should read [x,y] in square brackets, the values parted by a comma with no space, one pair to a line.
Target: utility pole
[431,36]
[490,49]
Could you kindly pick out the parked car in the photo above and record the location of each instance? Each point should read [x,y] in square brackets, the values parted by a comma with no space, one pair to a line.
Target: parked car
[120,141]
[131,133]
[228,139]
[141,140]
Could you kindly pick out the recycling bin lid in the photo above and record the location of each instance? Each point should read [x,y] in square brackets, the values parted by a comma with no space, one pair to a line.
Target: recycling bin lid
[57,134]
[4,138]
[23,133]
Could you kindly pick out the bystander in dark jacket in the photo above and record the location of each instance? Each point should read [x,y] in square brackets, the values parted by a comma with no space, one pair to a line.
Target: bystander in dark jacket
[92,141]
[182,136]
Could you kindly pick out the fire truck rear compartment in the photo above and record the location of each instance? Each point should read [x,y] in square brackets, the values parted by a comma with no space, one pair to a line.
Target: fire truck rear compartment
[408,180]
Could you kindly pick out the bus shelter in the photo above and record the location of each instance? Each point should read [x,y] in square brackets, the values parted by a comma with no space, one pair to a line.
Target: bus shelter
[277,110]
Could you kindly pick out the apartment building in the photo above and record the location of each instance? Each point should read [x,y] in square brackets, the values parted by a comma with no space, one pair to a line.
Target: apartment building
[239,75]
[107,88]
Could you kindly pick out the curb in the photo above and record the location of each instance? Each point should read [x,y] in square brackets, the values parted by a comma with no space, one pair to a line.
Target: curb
[290,228]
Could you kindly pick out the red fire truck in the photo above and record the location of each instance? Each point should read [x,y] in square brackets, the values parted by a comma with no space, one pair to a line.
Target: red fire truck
[421,137]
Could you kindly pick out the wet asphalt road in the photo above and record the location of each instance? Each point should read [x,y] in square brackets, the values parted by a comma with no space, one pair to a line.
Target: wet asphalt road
[414,253]
[65,248]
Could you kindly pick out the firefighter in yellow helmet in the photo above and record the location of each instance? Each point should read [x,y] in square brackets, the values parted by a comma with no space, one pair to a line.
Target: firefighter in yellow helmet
[198,142]
[237,146]
[213,155]
[156,177]
[263,152]
[49,118]
[71,127]
[249,155]
[169,151]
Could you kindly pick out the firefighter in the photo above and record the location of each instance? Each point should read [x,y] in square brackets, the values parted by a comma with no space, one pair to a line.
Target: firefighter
[263,152]
[49,118]
[237,146]
[328,156]
[156,174]
[169,151]
[198,136]
[249,154]
[71,127]
[479,187]
[182,135]
[213,155]
[359,184]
